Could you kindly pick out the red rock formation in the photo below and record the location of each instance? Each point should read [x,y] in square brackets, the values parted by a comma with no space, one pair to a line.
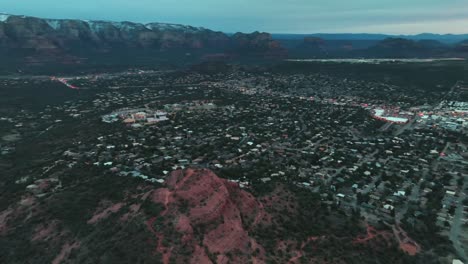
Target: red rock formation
[37,41]
[210,216]
[258,44]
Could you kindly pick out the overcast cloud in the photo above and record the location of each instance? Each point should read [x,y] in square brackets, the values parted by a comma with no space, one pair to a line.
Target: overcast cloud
[286,16]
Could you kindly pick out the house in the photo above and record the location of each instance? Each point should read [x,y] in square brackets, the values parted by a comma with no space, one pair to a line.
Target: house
[183,161]
[452,193]
[266,179]
[399,193]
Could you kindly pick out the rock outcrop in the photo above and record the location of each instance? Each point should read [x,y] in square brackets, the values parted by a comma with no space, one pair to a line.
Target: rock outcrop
[30,39]
[208,217]
[258,43]
[405,48]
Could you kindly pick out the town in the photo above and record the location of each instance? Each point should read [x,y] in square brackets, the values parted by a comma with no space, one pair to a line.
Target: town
[372,147]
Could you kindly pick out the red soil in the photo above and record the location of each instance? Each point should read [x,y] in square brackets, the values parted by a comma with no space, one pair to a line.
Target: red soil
[133,209]
[372,233]
[44,231]
[199,256]
[299,253]
[210,215]
[65,252]
[207,219]
[407,244]
[27,200]
[43,184]
[24,210]
[4,216]
[410,249]
[101,213]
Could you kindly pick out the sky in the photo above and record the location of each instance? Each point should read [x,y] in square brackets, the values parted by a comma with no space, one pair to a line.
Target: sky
[274,16]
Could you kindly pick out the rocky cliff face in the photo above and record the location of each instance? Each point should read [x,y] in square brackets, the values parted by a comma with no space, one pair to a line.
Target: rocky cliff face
[209,217]
[30,36]
[30,32]
[258,43]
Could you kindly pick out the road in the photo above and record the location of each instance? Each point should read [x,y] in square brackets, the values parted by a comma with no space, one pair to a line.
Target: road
[413,197]
[435,164]
[449,92]
[385,127]
[456,227]
[406,126]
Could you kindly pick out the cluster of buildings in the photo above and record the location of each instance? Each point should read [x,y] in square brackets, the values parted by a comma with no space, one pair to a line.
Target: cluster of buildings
[136,117]
[382,115]
[361,145]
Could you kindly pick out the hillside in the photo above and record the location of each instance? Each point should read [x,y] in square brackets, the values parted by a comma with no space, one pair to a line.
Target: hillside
[36,41]
[196,217]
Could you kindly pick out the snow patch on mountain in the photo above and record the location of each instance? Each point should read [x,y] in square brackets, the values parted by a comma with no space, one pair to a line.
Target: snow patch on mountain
[174,27]
[4,17]
[148,26]
[128,26]
[55,24]
[95,26]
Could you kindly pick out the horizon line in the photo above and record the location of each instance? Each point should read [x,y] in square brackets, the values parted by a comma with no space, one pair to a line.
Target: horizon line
[245,32]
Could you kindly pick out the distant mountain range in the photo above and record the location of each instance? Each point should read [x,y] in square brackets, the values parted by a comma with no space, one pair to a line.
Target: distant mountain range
[30,41]
[35,41]
[373,45]
[444,38]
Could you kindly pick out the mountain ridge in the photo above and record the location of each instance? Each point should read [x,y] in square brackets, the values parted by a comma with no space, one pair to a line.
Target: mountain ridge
[31,42]
[5,16]
[445,38]
[35,41]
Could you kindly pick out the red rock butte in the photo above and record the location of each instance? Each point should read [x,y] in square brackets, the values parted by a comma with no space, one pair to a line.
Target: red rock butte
[211,217]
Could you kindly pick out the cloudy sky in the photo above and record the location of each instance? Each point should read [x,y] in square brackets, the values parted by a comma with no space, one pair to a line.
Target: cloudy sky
[276,16]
